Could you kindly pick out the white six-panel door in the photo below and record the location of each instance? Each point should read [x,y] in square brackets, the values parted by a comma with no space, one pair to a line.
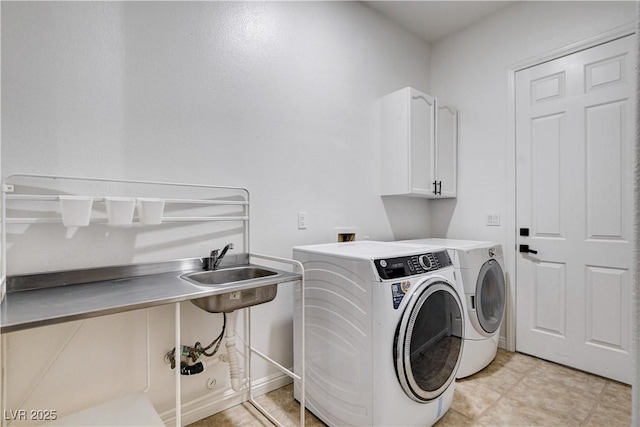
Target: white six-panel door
[574,172]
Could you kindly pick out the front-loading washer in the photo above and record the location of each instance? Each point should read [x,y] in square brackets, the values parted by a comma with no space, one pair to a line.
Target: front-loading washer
[383,336]
[479,266]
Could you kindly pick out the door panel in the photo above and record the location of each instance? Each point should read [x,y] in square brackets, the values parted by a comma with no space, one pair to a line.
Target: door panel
[546,140]
[605,167]
[607,307]
[550,298]
[574,169]
[546,88]
[607,71]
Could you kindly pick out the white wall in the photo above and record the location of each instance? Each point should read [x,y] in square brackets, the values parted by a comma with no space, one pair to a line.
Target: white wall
[470,70]
[277,97]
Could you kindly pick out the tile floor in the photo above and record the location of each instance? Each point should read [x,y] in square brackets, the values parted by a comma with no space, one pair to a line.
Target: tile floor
[514,390]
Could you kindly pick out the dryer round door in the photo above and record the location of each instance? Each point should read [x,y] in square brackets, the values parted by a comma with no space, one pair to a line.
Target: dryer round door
[490,296]
[428,342]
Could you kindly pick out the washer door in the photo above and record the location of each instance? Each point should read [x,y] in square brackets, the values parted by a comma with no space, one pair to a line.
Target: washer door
[490,296]
[428,342]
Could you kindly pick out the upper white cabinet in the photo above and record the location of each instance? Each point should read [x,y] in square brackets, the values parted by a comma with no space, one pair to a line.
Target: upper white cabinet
[419,145]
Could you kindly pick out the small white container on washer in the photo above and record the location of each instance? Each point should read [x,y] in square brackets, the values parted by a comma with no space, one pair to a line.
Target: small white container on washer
[150,210]
[76,210]
[120,210]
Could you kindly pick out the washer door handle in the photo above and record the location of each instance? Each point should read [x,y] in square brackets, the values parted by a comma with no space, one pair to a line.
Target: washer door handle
[525,250]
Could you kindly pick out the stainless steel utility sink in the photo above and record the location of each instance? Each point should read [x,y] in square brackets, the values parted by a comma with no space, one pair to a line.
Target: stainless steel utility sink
[228,275]
[246,285]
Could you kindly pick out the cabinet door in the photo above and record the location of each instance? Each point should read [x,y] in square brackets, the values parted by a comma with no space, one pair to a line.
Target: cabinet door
[422,137]
[447,151]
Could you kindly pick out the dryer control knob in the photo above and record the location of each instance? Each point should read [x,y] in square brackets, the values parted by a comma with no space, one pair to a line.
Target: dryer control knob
[425,262]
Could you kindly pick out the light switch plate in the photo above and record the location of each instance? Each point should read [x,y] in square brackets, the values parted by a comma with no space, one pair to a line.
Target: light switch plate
[493,219]
[302,220]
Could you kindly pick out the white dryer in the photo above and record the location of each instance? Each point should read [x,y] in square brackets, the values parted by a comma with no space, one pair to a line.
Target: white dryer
[480,267]
[384,328]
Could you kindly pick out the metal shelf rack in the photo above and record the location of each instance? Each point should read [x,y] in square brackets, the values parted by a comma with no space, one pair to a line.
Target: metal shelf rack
[31,199]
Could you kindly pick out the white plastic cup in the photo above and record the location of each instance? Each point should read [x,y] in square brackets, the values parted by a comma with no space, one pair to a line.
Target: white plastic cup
[76,210]
[120,210]
[150,210]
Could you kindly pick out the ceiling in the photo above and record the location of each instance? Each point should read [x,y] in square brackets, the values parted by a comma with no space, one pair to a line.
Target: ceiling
[434,20]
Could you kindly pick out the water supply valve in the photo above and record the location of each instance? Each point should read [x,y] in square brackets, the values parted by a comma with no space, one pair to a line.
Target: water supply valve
[186,369]
[187,353]
[194,352]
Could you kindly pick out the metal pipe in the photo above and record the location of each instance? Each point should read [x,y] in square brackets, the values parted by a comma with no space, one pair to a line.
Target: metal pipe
[148,354]
[177,368]
[301,377]
[284,370]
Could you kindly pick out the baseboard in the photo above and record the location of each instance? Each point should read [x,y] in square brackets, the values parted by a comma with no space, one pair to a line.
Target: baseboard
[215,402]
[502,343]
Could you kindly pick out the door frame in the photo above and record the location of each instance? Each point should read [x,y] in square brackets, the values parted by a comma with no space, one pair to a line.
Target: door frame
[510,253]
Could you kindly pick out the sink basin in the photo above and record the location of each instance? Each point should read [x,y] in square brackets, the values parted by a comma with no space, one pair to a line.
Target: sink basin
[228,275]
[238,280]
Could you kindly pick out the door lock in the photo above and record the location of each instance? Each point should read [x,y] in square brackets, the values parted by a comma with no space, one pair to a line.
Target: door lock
[525,250]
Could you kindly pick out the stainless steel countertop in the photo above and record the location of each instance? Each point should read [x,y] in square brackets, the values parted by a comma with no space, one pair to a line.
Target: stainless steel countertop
[49,305]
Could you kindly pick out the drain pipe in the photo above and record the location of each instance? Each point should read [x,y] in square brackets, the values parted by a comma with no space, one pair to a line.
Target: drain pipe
[232,352]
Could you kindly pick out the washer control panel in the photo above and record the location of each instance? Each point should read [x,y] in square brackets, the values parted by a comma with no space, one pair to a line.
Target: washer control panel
[406,266]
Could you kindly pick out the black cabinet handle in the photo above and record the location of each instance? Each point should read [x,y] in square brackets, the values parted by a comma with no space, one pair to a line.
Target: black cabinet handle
[437,187]
[525,250]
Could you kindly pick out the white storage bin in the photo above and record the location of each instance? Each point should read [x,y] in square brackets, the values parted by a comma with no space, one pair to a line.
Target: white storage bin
[120,210]
[76,210]
[150,210]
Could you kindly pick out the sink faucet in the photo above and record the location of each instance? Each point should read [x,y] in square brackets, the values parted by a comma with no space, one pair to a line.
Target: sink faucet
[214,258]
